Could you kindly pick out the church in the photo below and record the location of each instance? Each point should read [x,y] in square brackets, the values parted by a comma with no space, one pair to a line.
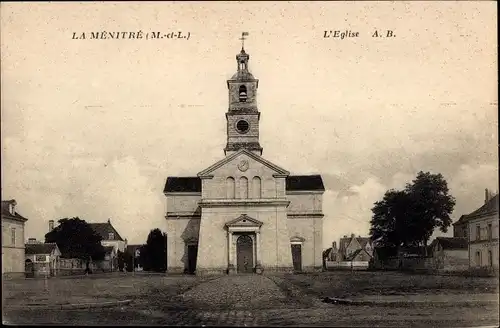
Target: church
[244,214]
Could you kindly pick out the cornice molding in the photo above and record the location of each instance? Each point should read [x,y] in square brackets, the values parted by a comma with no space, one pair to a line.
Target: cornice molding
[181,193]
[243,202]
[304,192]
[304,215]
[182,215]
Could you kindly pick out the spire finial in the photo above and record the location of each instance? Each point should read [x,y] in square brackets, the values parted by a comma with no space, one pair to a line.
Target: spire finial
[243,35]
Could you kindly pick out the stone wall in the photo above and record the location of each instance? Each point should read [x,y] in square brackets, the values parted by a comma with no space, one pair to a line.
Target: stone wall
[12,253]
[311,230]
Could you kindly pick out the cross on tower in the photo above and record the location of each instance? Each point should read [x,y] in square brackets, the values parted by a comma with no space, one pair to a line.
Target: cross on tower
[243,35]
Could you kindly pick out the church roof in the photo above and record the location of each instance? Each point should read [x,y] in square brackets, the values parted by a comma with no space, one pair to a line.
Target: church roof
[293,183]
[248,153]
[183,184]
[304,182]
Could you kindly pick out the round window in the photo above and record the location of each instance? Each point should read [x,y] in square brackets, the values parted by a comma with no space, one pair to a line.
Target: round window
[242,126]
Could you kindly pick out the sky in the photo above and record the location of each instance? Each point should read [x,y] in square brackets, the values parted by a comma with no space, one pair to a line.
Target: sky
[92,128]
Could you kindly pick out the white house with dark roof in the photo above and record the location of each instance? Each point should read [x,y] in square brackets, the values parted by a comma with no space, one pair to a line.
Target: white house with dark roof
[42,258]
[483,234]
[244,213]
[110,236]
[12,240]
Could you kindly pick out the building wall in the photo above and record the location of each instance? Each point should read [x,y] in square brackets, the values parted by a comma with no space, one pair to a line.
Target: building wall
[304,202]
[12,253]
[210,232]
[481,245]
[183,204]
[118,245]
[275,247]
[460,230]
[179,231]
[311,229]
[271,187]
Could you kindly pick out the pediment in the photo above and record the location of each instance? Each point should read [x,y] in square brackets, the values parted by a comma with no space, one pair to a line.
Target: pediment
[207,173]
[244,221]
[297,239]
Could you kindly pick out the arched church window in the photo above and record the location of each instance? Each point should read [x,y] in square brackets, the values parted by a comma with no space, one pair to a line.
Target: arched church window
[243,187]
[230,187]
[256,187]
[243,93]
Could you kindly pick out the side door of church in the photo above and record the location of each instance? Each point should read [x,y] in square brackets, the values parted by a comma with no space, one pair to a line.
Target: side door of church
[297,257]
[192,256]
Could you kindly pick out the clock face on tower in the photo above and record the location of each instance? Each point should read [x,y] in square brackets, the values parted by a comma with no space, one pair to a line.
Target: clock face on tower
[242,126]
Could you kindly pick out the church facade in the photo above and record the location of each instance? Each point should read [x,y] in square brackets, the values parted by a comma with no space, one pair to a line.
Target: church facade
[244,214]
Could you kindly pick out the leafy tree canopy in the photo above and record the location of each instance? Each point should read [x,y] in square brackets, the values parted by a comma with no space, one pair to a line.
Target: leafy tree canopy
[153,255]
[410,216]
[76,239]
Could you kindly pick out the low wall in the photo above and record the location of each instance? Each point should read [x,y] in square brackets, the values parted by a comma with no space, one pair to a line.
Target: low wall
[356,265]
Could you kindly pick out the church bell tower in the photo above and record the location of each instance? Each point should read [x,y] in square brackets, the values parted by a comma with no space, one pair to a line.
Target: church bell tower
[242,116]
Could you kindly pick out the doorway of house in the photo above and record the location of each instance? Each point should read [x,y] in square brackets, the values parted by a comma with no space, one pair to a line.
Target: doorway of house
[244,254]
[297,257]
[192,256]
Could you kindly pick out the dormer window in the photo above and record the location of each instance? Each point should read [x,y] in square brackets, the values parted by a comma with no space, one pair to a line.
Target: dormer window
[11,209]
[111,236]
[243,93]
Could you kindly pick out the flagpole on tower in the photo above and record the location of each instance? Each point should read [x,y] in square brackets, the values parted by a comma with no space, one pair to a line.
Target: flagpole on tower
[243,35]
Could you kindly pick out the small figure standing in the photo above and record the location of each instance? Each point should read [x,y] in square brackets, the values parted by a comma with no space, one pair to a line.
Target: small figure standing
[245,264]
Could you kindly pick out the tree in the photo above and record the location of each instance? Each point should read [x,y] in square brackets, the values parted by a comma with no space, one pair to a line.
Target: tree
[431,205]
[154,253]
[76,239]
[410,216]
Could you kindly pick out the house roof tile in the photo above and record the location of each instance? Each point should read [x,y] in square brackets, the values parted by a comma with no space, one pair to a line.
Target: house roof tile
[104,229]
[6,212]
[34,249]
[490,207]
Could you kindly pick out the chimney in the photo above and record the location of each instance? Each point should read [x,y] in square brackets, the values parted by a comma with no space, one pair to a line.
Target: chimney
[109,220]
[353,235]
[334,245]
[51,225]
[12,207]
[31,240]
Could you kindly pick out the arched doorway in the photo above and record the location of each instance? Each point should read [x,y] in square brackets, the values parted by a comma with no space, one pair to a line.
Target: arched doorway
[29,268]
[244,254]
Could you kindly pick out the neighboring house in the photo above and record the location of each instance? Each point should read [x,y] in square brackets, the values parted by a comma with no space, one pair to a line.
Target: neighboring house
[12,240]
[450,253]
[112,242]
[351,249]
[110,239]
[135,251]
[483,234]
[352,252]
[42,259]
[109,235]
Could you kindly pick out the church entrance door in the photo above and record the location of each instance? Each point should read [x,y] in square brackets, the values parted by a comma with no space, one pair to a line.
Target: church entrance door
[192,255]
[244,254]
[297,257]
